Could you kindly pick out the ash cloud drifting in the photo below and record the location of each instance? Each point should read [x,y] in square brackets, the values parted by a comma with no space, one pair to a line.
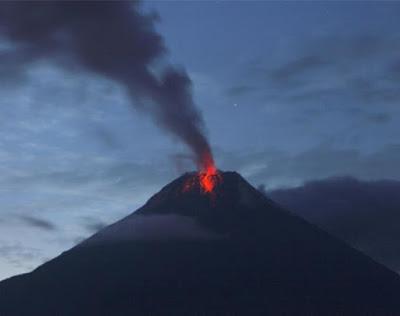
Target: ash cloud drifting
[112,39]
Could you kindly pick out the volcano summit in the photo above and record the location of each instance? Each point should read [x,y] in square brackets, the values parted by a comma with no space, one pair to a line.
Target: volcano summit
[231,251]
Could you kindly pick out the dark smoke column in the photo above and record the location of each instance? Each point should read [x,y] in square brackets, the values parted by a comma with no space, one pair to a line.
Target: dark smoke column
[115,40]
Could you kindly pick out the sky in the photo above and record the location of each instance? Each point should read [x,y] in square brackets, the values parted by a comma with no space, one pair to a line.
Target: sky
[299,97]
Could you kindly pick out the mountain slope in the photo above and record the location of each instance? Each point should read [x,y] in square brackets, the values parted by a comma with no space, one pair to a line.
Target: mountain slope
[186,252]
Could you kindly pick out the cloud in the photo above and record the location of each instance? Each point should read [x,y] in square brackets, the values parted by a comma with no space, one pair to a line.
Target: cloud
[298,67]
[80,199]
[276,168]
[152,227]
[240,90]
[38,222]
[93,225]
[353,68]
[363,213]
[18,255]
[379,118]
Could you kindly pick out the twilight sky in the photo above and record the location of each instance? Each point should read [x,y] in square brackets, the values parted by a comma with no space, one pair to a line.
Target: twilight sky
[301,97]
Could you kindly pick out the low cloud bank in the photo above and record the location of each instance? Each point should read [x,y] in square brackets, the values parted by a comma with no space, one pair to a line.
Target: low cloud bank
[366,214]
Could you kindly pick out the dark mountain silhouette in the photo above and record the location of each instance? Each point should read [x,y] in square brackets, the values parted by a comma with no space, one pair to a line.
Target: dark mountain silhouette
[233,252]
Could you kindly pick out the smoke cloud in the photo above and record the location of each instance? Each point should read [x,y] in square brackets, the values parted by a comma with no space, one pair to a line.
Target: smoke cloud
[112,39]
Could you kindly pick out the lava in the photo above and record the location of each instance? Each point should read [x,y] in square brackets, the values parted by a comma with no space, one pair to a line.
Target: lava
[206,179]
[209,178]
[208,175]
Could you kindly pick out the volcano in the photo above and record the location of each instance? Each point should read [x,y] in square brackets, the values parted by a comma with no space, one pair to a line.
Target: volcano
[231,251]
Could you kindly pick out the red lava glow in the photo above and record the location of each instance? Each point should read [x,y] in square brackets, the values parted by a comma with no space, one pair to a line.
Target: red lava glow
[207,178]
[208,175]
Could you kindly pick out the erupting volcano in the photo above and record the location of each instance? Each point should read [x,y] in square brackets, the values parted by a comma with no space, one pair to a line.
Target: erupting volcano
[182,253]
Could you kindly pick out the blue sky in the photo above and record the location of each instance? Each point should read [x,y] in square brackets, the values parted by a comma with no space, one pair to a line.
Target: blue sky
[290,92]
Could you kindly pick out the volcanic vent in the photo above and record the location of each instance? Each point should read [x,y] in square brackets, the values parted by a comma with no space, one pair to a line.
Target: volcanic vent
[228,191]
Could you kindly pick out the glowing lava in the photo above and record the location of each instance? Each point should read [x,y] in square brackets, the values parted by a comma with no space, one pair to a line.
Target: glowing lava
[208,175]
[206,179]
[209,178]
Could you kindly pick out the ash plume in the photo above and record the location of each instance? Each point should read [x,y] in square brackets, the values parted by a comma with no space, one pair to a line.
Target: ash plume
[112,39]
